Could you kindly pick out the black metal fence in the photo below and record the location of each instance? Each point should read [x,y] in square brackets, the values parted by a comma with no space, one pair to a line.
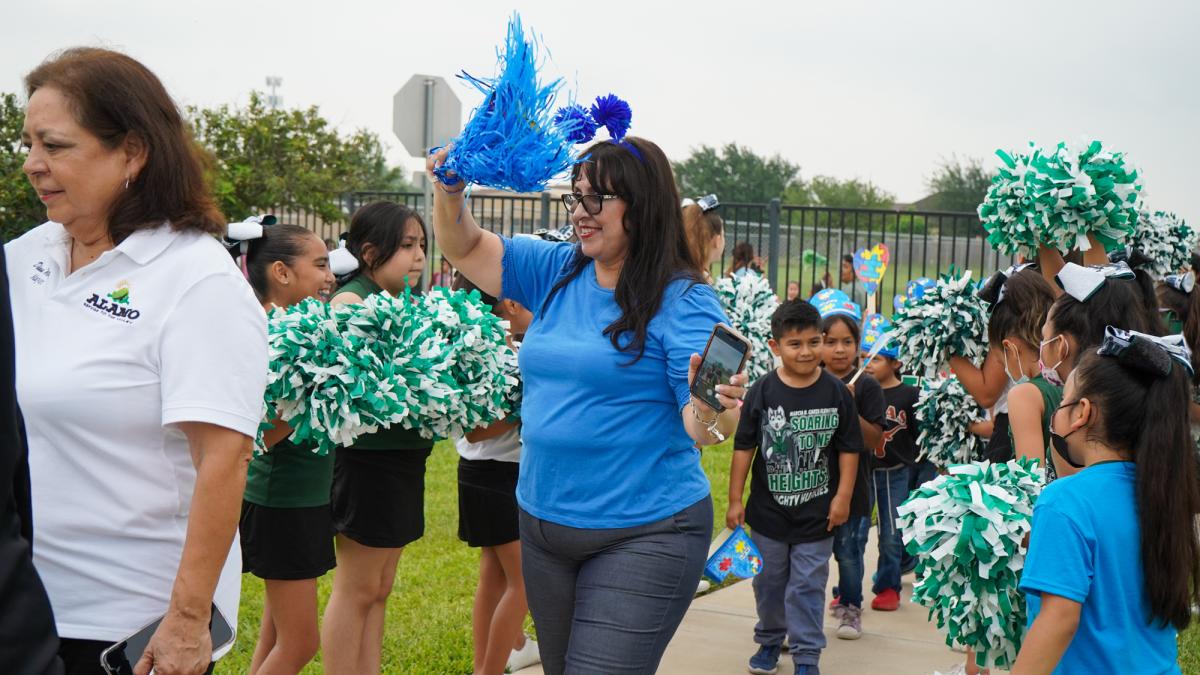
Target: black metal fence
[802,244]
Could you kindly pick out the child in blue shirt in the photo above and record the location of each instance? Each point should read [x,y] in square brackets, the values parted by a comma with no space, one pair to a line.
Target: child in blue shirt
[1113,567]
[799,429]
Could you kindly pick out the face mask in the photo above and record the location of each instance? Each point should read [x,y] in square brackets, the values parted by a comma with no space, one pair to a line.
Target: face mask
[1060,442]
[1049,373]
[1015,381]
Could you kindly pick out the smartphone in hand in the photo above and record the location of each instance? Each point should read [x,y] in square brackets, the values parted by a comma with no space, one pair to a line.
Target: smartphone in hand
[120,658]
[724,356]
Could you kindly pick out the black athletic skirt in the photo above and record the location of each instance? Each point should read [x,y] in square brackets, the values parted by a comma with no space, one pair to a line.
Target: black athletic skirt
[378,496]
[487,502]
[287,543]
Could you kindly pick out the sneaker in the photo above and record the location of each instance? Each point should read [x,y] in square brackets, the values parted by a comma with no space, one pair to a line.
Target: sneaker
[850,627]
[765,662]
[703,586]
[805,669]
[527,655]
[887,601]
[835,602]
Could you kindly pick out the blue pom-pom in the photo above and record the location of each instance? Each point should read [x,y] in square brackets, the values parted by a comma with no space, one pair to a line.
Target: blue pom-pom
[511,141]
[613,114]
[576,122]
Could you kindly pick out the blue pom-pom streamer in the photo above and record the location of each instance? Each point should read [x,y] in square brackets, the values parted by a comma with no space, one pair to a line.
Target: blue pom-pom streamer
[613,114]
[576,122]
[511,141]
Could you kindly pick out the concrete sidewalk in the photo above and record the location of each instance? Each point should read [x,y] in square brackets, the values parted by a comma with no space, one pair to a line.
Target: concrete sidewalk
[717,636]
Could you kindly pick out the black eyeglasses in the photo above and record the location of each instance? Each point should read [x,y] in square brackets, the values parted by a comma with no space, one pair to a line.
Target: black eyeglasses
[592,204]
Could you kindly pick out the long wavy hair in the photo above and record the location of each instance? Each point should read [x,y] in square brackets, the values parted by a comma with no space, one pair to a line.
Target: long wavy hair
[658,248]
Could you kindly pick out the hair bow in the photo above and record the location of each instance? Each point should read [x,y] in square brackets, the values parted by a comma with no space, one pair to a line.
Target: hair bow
[1146,353]
[1184,283]
[1082,283]
[342,261]
[993,291]
[240,234]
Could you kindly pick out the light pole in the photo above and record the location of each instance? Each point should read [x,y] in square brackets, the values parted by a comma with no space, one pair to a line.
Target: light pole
[274,82]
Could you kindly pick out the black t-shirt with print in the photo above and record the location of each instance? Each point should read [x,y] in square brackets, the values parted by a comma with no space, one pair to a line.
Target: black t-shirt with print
[900,433]
[872,406]
[797,433]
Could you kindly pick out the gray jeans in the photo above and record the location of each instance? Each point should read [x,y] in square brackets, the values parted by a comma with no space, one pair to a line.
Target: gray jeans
[790,596]
[608,601]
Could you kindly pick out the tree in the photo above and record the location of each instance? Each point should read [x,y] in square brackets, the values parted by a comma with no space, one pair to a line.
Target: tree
[957,185]
[265,158]
[20,208]
[837,193]
[735,174]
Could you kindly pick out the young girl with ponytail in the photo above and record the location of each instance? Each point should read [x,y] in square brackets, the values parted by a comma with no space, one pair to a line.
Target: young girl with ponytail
[286,528]
[1113,568]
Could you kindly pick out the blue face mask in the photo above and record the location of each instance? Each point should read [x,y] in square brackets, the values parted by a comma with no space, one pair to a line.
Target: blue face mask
[1015,381]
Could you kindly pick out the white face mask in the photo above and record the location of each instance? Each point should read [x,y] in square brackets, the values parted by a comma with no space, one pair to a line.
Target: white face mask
[1015,380]
[1050,373]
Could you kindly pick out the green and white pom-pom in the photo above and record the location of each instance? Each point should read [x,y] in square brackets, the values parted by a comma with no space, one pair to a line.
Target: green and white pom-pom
[313,385]
[1166,239]
[749,302]
[945,412]
[480,364]
[966,530]
[949,319]
[1009,225]
[1058,197]
[399,353]
[1077,191]
[439,365]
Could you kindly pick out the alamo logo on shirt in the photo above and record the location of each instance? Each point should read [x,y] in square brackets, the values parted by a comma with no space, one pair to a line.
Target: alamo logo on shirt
[114,304]
[794,452]
[41,273]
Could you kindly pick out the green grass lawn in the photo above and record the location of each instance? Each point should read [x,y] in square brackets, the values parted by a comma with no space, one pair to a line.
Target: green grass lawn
[429,616]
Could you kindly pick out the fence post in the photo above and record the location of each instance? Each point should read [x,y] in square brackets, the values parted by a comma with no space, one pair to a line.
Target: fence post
[545,211]
[773,242]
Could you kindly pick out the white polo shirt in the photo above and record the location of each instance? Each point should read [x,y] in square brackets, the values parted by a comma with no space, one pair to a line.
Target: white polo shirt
[160,330]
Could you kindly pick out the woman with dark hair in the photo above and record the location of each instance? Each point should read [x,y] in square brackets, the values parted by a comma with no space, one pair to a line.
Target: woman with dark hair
[615,510]
[143,359]
[744,260]
[1113,568]
[378,496]
[286,528]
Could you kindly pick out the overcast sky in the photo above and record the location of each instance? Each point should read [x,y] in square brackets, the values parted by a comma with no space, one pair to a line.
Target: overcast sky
[878,90]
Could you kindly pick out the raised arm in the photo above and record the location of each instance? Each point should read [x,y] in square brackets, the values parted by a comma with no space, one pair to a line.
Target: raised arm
[475,252]
[983,384]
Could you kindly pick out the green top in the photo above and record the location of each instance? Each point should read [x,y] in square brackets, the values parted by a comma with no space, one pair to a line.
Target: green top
[397,437]
[1051,399]
[289,476]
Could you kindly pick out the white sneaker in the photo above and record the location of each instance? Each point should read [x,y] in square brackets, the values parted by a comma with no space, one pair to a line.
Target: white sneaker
[850,623]
[526,656]
[703,586]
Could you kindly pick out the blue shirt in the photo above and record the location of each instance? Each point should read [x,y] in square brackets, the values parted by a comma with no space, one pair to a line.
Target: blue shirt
[1086,546]
[604,442]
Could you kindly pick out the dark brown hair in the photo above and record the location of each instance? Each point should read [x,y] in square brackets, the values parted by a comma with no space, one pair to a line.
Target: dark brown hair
[658,252]
[1122,303]
[1027,300]
[115,97]
[382,225]
[1146,415]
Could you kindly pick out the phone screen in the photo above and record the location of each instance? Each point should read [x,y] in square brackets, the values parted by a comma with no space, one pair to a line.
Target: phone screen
[122,656]
[722,360]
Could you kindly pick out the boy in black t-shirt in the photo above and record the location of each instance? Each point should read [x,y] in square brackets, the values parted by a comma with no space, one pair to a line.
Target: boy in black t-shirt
[799,428]
[892,463]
